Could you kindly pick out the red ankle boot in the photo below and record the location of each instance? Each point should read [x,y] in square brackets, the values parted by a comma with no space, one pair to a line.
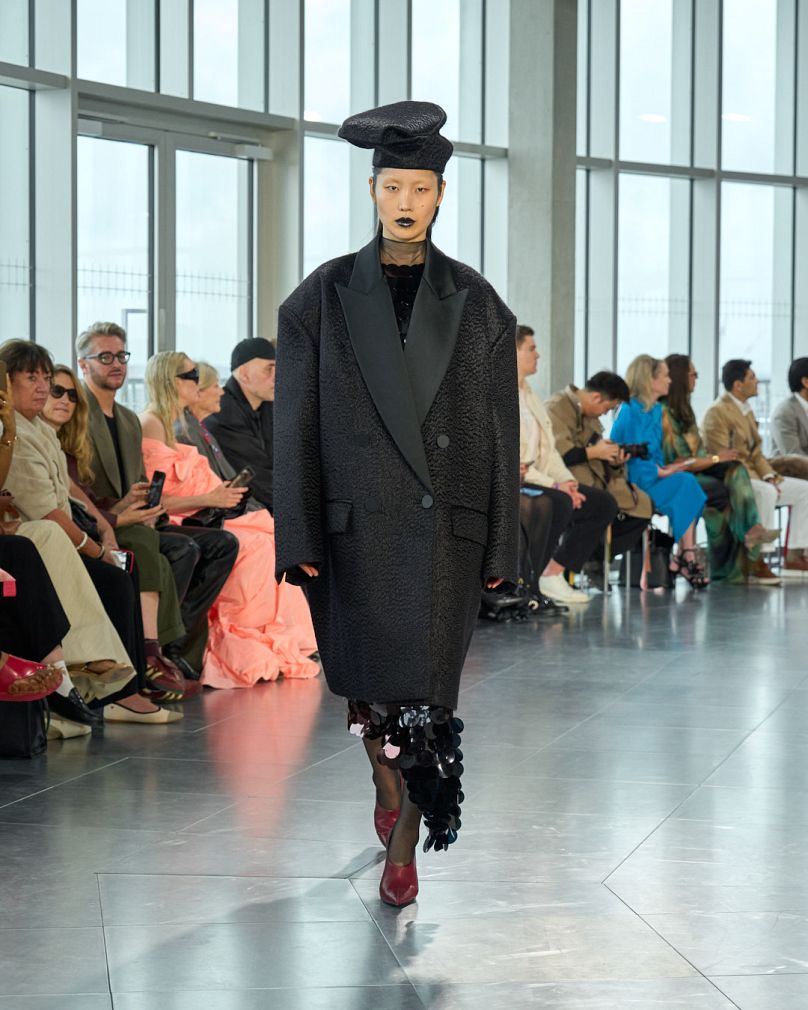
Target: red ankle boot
[399,884]
[384,822]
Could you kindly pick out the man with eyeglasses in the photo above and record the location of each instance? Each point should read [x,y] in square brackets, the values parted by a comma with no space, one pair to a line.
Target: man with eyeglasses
[200,558]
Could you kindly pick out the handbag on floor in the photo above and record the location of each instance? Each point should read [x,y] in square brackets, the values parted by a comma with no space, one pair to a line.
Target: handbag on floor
[23,728]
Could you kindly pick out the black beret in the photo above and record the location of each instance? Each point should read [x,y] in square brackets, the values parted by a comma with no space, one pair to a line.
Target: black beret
[402,135]
[252,347]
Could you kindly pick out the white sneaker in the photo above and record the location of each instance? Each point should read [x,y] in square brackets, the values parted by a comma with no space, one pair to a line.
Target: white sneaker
[558,589]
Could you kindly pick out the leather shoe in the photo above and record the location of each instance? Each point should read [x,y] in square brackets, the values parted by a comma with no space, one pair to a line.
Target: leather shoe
[23,680]
[384,821]
[76,709]
[175,657]
[399,884]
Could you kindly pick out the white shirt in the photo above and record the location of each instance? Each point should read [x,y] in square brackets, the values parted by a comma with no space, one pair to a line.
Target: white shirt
[744,406]
[531,433]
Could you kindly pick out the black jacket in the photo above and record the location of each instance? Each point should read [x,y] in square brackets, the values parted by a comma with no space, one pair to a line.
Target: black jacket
[396,471]
[245,437]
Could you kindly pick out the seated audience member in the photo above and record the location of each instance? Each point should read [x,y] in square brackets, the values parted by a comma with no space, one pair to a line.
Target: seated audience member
[595,461]
[243,424]
[201,559]
[674,493]
[580,514]
[730,424]
[789,425]
[129,528]
[39,482]
[259,629]
[734,530]
[191,428]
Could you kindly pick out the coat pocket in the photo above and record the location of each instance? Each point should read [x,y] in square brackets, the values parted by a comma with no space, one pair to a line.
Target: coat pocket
[470,525]
[338,516]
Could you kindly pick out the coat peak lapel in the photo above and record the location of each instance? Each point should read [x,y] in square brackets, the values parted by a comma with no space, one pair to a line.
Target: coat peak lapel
[433,329]
[372,328]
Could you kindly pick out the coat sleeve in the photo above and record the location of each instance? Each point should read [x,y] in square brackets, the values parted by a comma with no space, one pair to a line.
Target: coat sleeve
[786,431]
[502,553]
[242,448]
[297,493]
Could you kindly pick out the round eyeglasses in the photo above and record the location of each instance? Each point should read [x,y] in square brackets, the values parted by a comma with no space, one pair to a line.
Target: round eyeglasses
[107,357]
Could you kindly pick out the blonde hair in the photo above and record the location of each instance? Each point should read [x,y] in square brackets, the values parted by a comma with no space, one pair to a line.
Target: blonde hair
[161,387]
[208,376]
[639,376]
[73,436]
[84,341]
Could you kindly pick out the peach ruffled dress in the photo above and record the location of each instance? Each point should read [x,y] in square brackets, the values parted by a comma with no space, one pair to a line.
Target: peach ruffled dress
[258,629]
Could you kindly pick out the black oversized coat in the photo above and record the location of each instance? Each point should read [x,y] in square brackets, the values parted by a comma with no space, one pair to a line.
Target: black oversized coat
[396,470]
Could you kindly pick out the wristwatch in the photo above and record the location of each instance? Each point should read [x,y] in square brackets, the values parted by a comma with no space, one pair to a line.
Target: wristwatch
[716,458]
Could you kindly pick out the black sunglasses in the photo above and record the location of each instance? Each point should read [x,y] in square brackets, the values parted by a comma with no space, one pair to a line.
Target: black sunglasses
[192,375]
[57,392]
[107,357]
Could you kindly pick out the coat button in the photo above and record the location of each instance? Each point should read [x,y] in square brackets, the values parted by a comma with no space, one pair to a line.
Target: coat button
[372,504]
[426,501]
[443,441]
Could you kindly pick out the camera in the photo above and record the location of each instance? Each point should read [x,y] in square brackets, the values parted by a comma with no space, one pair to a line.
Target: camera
[636,450]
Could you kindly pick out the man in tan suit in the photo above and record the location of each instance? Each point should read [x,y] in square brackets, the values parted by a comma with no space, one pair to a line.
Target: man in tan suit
[595,461]
[730,424]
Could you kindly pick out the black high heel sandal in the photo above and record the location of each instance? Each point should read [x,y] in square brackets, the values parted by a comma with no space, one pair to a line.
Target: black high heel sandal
[691,571]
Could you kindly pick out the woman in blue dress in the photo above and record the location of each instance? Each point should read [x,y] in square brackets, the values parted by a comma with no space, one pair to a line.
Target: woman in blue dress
[674,493]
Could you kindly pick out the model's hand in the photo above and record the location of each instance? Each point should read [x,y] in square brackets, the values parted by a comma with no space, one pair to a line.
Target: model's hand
[310,570]
[493,583]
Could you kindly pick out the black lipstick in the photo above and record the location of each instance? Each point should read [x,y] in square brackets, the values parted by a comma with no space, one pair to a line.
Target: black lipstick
[404,222]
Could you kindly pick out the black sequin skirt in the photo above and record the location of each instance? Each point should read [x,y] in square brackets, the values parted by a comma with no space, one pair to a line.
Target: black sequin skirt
[423,743]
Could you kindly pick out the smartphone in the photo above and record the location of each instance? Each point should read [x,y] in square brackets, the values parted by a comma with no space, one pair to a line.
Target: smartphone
[3,376]
[242,477]
[155,492]
[123,559]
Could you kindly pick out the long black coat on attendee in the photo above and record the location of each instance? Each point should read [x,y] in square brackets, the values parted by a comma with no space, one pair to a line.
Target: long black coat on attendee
[396,469]
[245,437]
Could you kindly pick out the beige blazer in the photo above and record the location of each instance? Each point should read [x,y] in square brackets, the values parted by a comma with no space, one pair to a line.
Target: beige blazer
[38,475]
[573,430]
[548,467]
[725,427]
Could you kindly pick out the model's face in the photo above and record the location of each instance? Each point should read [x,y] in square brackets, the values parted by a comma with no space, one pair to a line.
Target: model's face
[105,376]
[692,377]
[661,382]
[527,357]
[406,200]
[30,391]
[594,405]
[187,389]
[746,389]
[257,377]
[60,408]
[209,400]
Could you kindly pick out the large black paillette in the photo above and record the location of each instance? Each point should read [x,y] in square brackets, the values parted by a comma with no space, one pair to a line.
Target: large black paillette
[402,135]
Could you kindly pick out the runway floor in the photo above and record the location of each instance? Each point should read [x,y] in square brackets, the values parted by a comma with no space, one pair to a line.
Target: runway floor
[635,836]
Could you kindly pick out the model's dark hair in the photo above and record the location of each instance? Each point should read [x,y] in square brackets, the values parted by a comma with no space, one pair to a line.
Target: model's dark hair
[678,398]
[610,385]
[734,371]
[798,370]
[25,356]
[438,176]
[523,332]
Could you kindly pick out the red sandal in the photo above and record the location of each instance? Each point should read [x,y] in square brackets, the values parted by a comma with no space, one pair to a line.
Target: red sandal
[23,680]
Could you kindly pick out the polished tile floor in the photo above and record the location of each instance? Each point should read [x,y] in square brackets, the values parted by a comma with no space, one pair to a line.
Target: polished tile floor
[635,836]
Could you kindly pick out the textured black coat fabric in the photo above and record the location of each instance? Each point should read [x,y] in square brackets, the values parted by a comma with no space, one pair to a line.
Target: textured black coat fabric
[245,437]
[396,471]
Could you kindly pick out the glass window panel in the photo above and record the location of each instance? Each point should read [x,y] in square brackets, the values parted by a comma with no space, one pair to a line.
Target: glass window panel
[115,42]
[328,61]
[757,94]
[651,307]
[14,209]
[581,195]
[326,217]
[113,227]
[755,305]
[229,52]
[654,81]
[581,122]
[14,31]
[457,231]
[213,255]
[447,62]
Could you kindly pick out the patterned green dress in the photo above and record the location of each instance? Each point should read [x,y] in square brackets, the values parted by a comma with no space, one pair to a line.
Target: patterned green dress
[726,528]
